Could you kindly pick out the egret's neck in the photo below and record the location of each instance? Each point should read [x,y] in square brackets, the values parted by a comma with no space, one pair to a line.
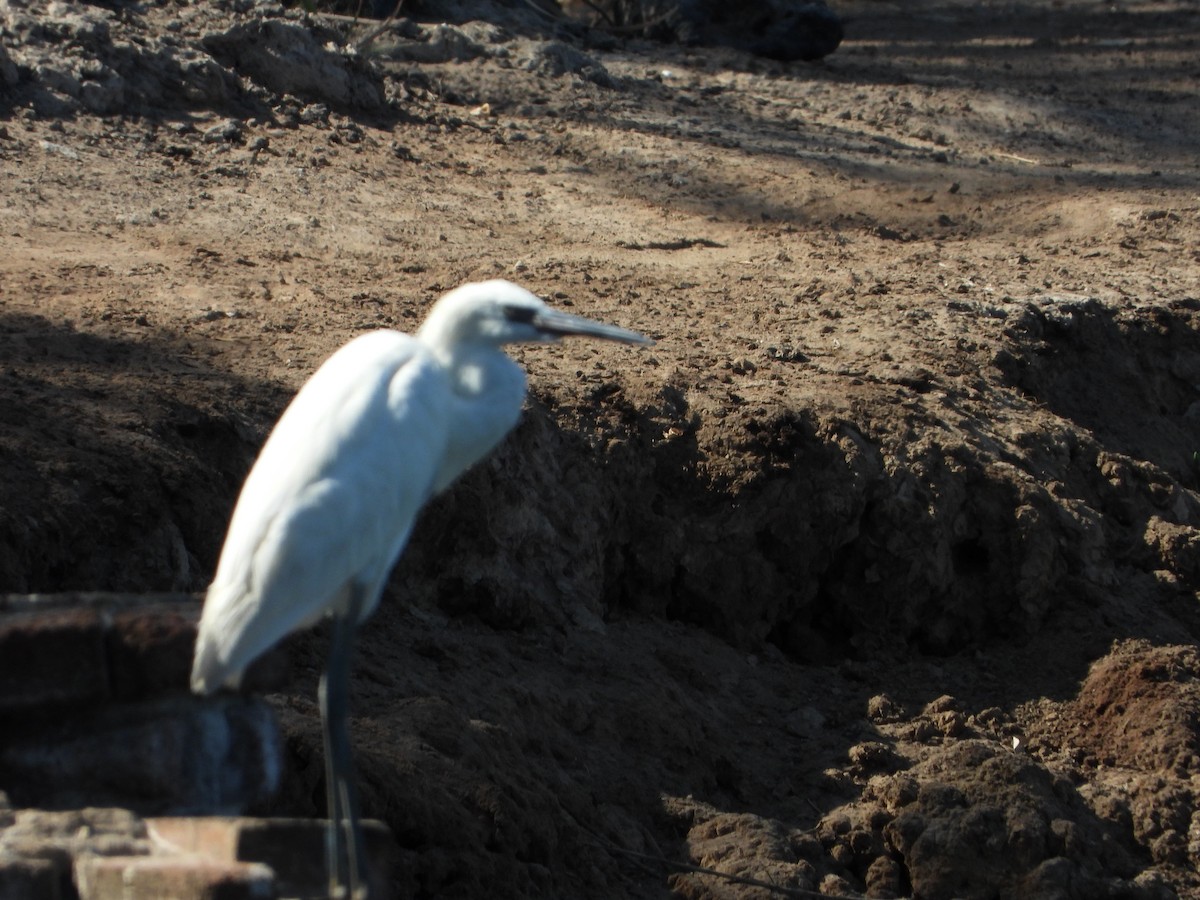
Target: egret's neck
[489,389]
[468,372]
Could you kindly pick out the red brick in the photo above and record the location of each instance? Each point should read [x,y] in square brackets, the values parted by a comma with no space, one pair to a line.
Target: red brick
[51,657]
[150,649]
[79,648]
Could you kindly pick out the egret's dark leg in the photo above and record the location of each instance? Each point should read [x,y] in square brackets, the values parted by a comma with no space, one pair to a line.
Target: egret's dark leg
[346,863]
[333,809]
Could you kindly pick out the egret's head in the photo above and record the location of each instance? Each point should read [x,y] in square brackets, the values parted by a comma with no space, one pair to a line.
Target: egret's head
[499,312]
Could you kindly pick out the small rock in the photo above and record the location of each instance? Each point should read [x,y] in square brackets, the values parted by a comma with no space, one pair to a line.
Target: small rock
[438,44]
[402,152]
[882,709]
[226,131]
[992,716]
[944,703]
[842,854]
[348,133]
[554,58]
[895,791]
[836,885]
[883,878]
[871,756]
[833,826]
[315,113]
[923,731]
[60,149]
[951,723]
[804,722]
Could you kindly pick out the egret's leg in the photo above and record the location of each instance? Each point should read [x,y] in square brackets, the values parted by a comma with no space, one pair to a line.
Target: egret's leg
[343,841]
[333,810]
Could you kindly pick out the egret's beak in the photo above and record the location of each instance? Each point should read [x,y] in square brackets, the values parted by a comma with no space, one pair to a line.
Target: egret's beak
[555,324]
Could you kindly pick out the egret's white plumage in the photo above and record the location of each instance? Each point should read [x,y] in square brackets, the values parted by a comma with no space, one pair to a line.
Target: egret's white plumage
[331,498]
[387,421]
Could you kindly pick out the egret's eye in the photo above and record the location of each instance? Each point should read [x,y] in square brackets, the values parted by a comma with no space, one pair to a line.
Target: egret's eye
[521,314]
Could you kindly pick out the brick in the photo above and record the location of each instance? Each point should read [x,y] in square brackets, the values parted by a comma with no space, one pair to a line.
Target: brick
[213,836]
[150,650]
[293,848]
[182,753]
[51,657]
[78,648]
[94,829]
[179,877]
[24,878]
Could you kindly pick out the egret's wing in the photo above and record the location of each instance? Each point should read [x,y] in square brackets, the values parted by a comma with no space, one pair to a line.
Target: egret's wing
[330,500]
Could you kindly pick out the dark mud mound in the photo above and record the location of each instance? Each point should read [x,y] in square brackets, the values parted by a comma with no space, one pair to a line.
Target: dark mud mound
[791,527]
[779,29]
[1135,730]
[123,483]
[825,537]
[67,59]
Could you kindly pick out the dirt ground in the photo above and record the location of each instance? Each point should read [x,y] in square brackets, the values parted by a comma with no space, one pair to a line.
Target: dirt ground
[876,576]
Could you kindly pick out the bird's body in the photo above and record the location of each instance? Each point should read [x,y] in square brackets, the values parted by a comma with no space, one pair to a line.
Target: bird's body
[327,479]
[385,423]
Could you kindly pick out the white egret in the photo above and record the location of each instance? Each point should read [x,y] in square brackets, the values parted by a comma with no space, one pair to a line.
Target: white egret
[387,422]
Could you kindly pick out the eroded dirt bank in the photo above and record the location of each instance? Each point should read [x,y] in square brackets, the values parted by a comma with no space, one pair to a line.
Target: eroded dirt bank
[877,574]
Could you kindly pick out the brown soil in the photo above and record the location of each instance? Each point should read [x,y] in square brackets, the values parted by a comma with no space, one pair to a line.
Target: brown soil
[876,575]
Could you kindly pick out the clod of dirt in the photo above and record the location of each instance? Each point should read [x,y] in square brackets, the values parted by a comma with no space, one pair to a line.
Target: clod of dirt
[439,43]
[985,815]
[289,58]
[91,58]
[554,58]
[1140,709]
[82,57]
[1135,730]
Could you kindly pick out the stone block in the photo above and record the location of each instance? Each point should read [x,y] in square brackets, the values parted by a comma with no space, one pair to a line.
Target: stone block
[106,831]
[150,650]
[178,754]
[87,647]
[293,848]
[24,878]
[52,657]
[183,877]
